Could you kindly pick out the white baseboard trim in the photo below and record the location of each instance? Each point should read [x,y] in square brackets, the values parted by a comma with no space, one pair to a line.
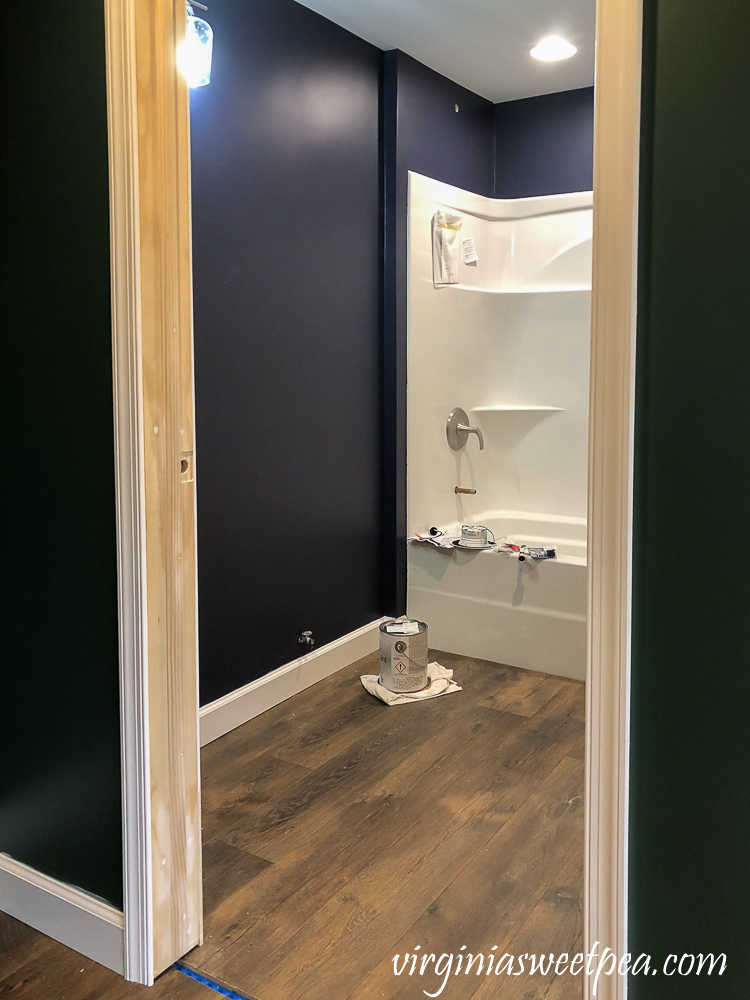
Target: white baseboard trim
[70,916]
[238,707]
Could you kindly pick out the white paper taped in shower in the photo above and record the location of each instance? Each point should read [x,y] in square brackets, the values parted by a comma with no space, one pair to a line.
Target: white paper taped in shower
[471,257]
[446,248]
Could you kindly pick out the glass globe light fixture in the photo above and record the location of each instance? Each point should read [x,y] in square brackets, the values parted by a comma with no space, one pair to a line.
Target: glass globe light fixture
[196,50]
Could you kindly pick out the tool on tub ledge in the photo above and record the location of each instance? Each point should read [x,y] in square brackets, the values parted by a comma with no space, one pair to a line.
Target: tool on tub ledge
[524,552]
[540,552]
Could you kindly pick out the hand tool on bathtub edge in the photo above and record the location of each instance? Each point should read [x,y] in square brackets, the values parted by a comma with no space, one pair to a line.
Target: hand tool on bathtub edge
[541,552]
[524,552]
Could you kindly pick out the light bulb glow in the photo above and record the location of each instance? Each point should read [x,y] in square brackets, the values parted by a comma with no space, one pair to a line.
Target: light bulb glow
[553,48]
[196,51]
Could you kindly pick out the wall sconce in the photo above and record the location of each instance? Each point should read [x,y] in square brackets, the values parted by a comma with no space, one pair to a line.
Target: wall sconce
[195,53]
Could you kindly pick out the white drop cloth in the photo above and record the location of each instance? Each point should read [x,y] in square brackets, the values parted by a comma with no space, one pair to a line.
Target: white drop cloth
[441,682]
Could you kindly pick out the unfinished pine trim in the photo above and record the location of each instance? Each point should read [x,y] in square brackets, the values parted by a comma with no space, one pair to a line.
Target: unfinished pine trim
[168,420]
[129,487]
[154,432]
[610,512]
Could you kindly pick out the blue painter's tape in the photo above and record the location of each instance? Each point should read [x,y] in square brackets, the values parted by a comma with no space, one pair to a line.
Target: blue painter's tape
[212,986]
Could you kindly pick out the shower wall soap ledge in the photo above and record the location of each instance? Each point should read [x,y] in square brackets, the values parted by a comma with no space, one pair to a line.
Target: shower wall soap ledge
[529,290]
[517,409]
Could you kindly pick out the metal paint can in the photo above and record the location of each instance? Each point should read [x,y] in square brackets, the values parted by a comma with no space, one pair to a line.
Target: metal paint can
[403,655]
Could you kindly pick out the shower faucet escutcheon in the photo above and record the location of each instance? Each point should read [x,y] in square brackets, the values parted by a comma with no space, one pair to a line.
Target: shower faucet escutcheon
[459,428]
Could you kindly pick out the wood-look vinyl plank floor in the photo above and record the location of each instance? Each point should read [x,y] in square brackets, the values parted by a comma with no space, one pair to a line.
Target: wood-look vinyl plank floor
[339,832]
[34,967]
[456,818]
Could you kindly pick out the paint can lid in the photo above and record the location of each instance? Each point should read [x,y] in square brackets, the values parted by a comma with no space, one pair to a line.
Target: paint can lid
[407,626]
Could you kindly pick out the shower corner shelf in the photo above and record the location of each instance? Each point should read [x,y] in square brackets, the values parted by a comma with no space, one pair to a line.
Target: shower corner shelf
[531,290]
[517,409]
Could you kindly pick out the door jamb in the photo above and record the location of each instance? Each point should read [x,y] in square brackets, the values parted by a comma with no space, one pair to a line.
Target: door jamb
[152,338]
[130,495]
[610,507]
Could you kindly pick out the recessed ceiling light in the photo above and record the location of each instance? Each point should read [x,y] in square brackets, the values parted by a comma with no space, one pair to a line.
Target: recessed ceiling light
[553,48]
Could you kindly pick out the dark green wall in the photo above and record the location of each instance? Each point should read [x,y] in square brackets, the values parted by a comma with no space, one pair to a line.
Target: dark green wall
[59,739]
[690,793]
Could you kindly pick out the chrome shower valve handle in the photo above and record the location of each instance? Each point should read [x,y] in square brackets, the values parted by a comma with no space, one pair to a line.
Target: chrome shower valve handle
[458,430]
[466,429]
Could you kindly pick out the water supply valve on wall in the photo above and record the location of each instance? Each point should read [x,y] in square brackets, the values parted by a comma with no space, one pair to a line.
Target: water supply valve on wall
[306,638]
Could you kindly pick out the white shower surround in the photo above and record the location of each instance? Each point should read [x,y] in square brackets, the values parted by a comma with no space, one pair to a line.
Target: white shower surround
[510,344]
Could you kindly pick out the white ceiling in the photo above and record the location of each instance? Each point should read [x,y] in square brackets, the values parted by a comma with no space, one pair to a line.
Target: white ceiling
[481,44]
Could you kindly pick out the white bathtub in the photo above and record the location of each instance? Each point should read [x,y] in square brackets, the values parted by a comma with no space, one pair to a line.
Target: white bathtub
[488,605]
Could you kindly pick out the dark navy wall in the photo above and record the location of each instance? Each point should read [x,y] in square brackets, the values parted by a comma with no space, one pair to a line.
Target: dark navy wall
[423,132]
[433,138]
[690,793]
[60,731]
[545,145]
[287,215]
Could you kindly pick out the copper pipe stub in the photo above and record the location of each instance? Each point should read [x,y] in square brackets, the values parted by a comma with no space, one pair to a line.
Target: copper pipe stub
[460,489]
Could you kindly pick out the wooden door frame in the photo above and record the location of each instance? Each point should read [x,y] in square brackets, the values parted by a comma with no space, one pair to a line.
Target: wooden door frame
[152,337]
[619,54]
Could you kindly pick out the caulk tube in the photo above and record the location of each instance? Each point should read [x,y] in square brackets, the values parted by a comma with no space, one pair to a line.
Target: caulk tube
[446,248]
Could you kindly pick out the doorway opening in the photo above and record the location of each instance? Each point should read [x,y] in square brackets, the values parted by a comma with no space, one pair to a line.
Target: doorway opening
[327,151]
[316,311]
